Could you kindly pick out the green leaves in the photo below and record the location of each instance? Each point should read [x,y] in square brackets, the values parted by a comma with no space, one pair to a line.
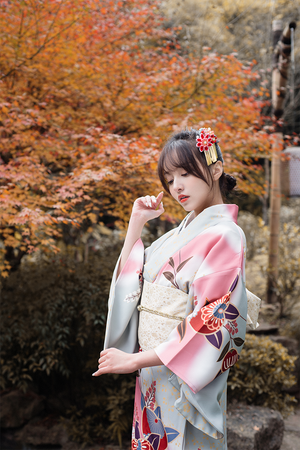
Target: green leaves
[50,315]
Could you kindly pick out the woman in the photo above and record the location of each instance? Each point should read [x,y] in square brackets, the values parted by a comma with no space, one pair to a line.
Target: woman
[190,324]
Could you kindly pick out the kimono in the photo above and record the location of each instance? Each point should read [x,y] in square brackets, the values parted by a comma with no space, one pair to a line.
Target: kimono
[182,403]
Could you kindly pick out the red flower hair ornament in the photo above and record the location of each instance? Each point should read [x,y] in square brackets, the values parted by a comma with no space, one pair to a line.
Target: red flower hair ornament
[205,141]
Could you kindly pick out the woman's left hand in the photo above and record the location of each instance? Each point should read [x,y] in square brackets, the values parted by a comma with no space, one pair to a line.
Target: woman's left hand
[116,361]
[113,360]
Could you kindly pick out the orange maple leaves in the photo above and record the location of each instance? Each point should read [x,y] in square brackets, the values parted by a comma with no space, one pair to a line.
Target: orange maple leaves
[88,91]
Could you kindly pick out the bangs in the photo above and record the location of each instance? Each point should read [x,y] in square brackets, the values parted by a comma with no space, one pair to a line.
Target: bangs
[185,155]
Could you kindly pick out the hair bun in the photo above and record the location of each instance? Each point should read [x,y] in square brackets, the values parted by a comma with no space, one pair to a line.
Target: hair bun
[230,181]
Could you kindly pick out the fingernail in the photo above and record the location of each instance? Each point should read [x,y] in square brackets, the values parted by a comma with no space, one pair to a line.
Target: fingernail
[93,374]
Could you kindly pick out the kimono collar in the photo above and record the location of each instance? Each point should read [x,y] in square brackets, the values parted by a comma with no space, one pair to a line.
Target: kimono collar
[210,216]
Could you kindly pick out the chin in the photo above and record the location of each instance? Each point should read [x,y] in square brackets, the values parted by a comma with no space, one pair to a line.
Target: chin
[186,208]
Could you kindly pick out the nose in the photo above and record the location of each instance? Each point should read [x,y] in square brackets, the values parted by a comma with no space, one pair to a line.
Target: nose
[177,185]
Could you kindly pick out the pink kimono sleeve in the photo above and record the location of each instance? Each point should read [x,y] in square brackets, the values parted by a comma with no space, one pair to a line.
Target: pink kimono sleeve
[209,340]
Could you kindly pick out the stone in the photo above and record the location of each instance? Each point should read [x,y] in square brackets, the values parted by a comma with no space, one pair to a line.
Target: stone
[47,431]
[264,328]
[74,446]
[18,408]
[291,436]
[290,344]
[254,428]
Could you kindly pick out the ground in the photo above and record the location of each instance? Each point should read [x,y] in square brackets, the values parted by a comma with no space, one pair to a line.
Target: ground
[291,438]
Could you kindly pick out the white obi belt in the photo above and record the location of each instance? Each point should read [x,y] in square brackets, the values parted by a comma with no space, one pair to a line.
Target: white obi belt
[163,308]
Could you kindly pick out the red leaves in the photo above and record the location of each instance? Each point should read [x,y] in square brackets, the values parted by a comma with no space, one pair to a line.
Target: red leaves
[86,101]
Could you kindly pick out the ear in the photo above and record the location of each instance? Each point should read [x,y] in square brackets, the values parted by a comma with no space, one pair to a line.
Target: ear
[217,170]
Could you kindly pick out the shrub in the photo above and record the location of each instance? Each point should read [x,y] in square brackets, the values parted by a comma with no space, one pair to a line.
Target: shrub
[53,316]
[262,375]
[106,415]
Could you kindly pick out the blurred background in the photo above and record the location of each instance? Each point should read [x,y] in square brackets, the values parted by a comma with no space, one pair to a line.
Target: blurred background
[89,92]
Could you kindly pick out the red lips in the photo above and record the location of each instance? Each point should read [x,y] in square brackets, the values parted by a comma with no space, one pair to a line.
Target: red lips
[183,198]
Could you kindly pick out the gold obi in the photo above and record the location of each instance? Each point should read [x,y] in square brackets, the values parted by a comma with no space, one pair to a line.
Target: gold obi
[163,308]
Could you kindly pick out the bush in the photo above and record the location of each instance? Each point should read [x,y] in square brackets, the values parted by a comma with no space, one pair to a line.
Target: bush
[106,415]
[53,316]
[262,375]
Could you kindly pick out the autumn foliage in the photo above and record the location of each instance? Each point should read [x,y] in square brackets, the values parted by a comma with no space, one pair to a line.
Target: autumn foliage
[88,92]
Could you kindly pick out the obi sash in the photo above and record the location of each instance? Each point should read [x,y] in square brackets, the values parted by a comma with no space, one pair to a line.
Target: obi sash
[163,308]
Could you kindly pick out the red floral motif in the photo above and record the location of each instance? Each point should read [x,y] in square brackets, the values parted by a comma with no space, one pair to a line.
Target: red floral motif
[205,139]
[150,396]
[232,327]
[211,317]
[213,314]
[230,359]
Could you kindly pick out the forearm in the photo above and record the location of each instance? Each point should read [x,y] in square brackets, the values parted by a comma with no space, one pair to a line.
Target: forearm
[146,359]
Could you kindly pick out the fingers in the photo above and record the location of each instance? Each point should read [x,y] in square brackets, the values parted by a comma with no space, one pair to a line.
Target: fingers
[151,201]
[99,372]
[160,208]
[102,365]
[159,197]
[113,360]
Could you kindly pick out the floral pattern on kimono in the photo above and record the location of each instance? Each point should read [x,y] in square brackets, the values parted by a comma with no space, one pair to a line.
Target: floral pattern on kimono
[204,259]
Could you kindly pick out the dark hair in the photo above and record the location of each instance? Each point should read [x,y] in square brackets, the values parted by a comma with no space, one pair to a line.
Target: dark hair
[181,151]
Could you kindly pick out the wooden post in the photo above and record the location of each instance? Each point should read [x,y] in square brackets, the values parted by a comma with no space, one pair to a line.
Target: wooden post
[277,143]
[266,194]
[281,59]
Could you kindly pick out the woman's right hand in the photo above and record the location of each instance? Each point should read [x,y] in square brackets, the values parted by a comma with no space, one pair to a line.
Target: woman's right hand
[148,207]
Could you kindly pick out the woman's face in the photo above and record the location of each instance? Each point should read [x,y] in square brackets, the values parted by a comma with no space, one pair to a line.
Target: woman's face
[191,192]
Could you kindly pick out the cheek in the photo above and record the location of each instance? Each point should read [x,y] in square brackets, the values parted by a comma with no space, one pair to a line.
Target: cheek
[173,192]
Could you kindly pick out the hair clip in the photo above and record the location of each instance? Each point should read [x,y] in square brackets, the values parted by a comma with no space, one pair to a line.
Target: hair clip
[206,142]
